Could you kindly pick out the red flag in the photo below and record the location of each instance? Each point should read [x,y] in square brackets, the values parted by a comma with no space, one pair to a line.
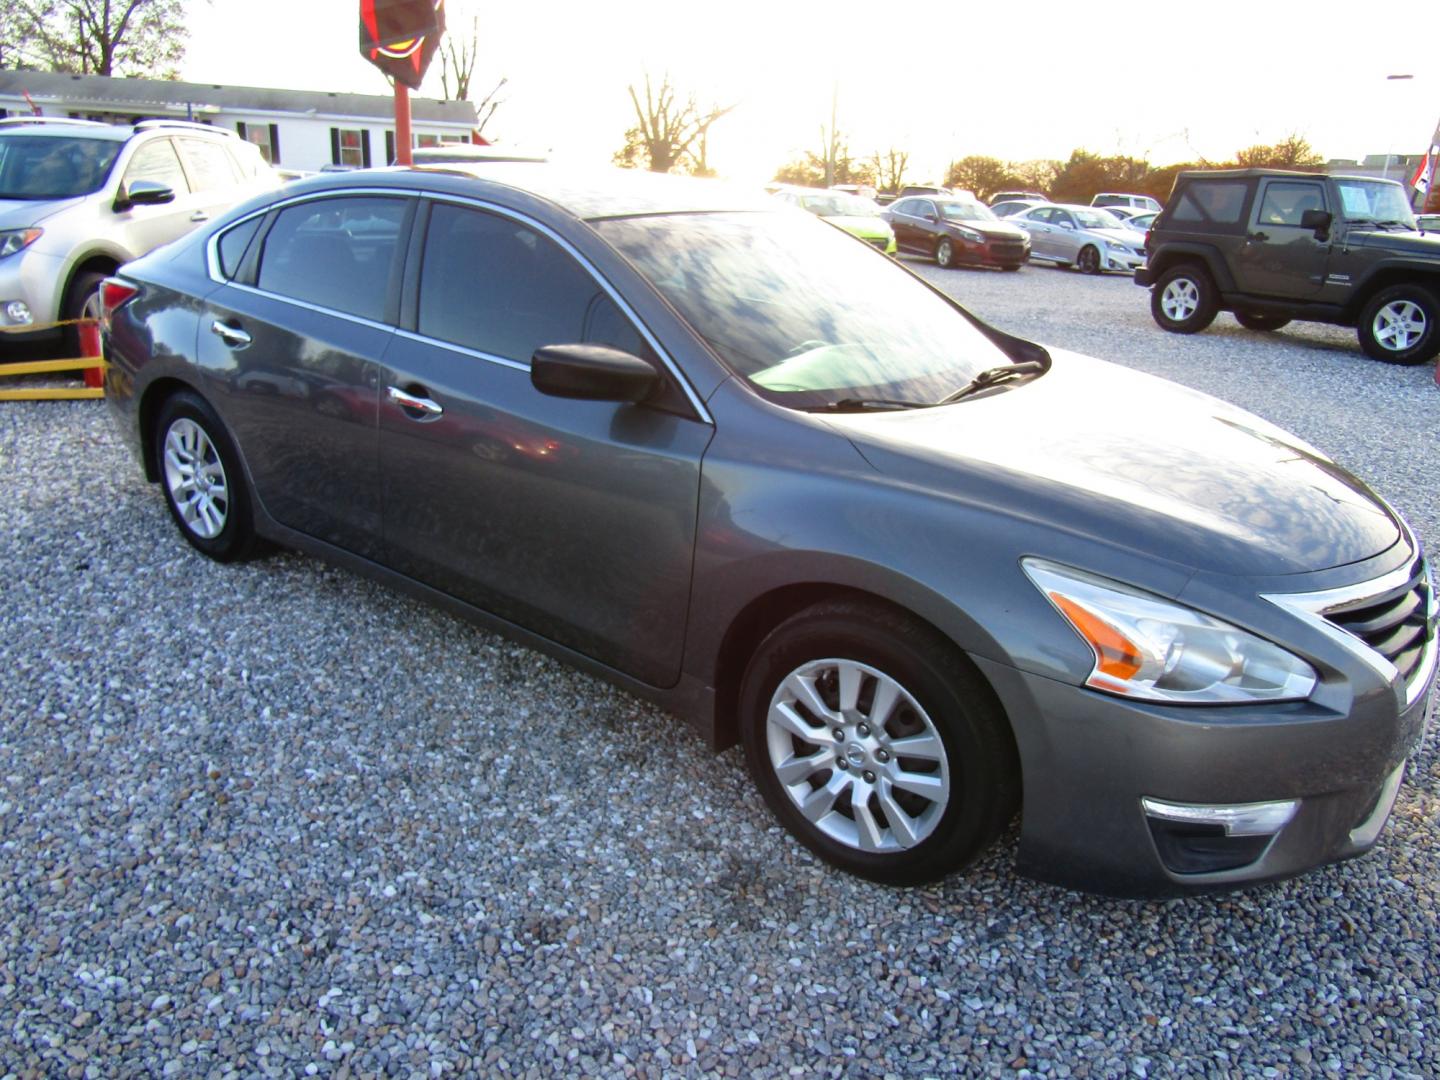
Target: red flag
[400,36]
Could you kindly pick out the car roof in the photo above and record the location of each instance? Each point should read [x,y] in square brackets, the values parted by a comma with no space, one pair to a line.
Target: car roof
[587,193]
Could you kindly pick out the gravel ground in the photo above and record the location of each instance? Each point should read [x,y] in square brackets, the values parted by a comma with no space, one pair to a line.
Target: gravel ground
[275,820]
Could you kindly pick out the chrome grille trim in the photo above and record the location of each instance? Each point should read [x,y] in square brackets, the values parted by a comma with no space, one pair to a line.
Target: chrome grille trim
[1325,611]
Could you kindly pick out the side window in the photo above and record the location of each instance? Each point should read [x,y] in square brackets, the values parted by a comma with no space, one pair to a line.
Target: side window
[1044,215]
[1285,202]
[337,253]
[1062,218]
[923,207]
[233,243]
[157,161]
[207,164]
[493,285]
[1216,202]
[903,206]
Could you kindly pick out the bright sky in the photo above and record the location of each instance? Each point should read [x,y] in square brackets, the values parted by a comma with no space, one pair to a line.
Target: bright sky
[1169,81]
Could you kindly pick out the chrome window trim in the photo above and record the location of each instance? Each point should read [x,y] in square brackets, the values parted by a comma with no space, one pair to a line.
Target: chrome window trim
[212,245]
[1310,608]
[503,361]
[515,215]
[387,327]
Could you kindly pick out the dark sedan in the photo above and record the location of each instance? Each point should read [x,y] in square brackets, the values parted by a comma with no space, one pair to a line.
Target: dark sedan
[746,466]
[955,232]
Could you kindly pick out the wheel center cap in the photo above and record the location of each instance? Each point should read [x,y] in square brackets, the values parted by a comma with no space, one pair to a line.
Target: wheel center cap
[855,754]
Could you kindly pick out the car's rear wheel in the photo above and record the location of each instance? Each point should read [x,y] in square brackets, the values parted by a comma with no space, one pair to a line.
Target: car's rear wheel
[202,478]
[1007,266]
[876,744]
[1183,300]
[1263,323]
[944,252]
[1398,325]
[1088,261]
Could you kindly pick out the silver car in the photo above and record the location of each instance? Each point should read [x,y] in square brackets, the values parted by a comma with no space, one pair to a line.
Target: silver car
[1090,239]
[78,199]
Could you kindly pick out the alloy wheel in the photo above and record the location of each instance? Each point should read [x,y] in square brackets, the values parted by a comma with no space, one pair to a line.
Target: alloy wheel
[1180,299]
[857,755]
[196,479]
[1399,325]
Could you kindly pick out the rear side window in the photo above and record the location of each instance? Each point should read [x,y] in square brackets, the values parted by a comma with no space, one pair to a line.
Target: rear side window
[335,253]
[493,285]
[233,243]
[157,161]
[207,164]
[1219,203]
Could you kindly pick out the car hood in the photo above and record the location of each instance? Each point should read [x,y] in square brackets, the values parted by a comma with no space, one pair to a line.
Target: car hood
[23,213]
[1122,235]
[860,225]
[999,230]
[1417,243]
[1138,462]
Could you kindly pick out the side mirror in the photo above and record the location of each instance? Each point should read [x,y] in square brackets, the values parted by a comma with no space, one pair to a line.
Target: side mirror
[931,217]
[143,193]
[1068,225]
[1318,220]
[592,372]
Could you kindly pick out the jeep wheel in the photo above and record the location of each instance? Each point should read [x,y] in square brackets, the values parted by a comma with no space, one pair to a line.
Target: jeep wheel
[1088,261]
[1398,325]
[1183,299]
[1260,322]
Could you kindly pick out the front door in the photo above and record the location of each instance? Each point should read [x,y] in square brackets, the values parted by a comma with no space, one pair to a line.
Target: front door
[294,347]
[1279,257]
[574,519]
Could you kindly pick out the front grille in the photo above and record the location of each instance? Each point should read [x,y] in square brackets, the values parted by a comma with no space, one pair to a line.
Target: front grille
[1398,624]
[1007,247]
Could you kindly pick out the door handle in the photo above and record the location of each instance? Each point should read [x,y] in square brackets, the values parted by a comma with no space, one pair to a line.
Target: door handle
[199,215]
[1259,237]
[396,396]
[231,335]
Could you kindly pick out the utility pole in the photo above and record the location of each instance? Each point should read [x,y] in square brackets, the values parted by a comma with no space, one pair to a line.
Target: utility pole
[833,147]
[1386,174]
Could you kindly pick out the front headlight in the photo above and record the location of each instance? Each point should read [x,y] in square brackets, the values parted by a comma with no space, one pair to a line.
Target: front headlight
[13,240]
[1158,650]
[970,236]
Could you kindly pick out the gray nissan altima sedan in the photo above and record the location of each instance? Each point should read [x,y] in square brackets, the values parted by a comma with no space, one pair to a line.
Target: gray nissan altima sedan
[745,466]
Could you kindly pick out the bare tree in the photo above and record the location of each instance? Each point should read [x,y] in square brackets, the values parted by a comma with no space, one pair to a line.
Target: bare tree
[667,128]
[890,168]
[97,37]
[488,104]
[457,60]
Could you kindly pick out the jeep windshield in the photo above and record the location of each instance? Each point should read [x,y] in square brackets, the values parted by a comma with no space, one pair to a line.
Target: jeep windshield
[810,317]
[51,167]
[1375,202]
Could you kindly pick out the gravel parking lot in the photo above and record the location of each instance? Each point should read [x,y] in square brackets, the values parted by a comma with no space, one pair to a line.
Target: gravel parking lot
[275,820]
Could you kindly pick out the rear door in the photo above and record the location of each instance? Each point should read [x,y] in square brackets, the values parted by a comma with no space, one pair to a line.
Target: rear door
[1279,257]
[213,177]
[574,519]
[294,344]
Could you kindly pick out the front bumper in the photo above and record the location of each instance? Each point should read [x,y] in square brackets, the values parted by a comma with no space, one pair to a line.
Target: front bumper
[1127,261]
[1090,759]
[33,278]
[992,254]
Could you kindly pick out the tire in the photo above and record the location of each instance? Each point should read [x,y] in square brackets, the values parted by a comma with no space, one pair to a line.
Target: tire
[1010,269]
[961,750]
[1400,325]
[213,515]
[1183,299]
[1088,261]
[1263,323]
[944,253]
[82,300]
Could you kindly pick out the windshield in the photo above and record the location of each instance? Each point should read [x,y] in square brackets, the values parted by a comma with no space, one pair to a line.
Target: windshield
[803,312]
[966,211]
[1096,219]
[1374,200]
[49,167]
[838,204]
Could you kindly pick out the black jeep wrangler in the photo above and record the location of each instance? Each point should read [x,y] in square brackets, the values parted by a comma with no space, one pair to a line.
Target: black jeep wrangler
[1273,246]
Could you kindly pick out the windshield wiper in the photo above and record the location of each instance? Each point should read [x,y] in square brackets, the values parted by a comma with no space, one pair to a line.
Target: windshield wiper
[860,404]
[994,377]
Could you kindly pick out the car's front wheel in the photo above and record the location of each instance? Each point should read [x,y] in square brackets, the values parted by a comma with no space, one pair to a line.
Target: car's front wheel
[944,253]
[201,475]
[1183,300]
[1088,261]
[876,744]
[1398,325]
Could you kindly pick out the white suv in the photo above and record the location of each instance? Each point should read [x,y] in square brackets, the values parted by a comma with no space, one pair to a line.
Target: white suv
[1121,198]
[78,199]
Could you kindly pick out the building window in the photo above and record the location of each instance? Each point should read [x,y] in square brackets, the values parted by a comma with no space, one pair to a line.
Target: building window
[350,147]
[439,140]
[265,136]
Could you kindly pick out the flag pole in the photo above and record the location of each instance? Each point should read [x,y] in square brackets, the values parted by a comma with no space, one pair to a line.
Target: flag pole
[402,124]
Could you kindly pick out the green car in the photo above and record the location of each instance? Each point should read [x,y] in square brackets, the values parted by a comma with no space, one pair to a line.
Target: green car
[857,216]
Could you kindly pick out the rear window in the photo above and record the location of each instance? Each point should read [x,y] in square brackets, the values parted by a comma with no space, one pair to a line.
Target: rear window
[1216,203]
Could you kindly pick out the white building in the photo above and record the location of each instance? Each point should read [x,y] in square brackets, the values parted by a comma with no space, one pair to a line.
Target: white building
[295,129]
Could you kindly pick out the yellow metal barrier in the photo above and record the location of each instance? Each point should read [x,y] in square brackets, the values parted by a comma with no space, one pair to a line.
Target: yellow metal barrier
[92,366]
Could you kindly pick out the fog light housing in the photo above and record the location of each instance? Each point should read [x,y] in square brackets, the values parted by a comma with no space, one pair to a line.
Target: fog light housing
[17,312]
[1199,838]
